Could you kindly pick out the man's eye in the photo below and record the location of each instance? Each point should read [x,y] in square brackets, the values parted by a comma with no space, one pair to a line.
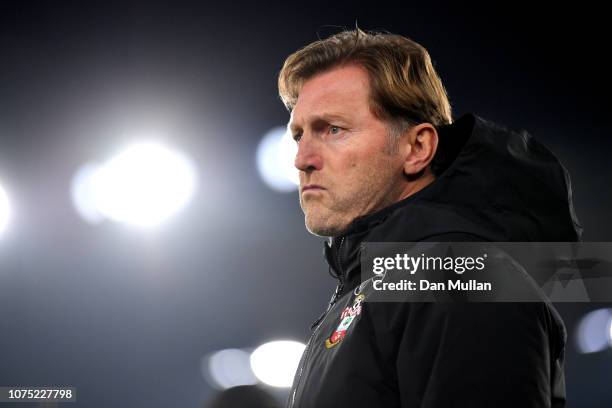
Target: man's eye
[334,130]
[296,137]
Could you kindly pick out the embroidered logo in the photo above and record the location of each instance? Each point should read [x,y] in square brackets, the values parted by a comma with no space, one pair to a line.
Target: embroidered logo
[346,318]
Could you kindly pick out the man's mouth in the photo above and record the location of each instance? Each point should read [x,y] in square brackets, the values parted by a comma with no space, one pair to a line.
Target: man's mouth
[312,187]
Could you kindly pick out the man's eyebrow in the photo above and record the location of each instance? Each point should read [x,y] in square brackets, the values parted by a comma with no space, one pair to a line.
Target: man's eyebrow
[326,117]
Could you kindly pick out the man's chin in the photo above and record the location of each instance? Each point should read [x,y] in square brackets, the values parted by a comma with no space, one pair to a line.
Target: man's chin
[323,229]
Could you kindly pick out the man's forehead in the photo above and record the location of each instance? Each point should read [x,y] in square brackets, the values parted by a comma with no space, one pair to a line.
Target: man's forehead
[337,94]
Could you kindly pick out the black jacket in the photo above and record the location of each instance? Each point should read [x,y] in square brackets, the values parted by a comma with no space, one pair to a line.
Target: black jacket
[495,185]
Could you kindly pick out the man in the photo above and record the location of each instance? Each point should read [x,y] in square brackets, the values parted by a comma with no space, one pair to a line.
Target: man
[380,160]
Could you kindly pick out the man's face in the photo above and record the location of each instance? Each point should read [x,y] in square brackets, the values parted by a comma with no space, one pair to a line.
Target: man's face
[346,169]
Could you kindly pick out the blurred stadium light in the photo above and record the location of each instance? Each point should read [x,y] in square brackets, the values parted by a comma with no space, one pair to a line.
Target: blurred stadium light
[610,332]
[594,331]
[275,160]
[5,209]
[228,368]
[83,194]
[143,186]
[275,363]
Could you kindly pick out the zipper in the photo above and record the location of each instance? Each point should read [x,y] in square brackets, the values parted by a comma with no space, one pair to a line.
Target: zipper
[315,326]
[339,261]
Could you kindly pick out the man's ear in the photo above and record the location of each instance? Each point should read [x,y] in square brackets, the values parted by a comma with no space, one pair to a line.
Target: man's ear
[419,148]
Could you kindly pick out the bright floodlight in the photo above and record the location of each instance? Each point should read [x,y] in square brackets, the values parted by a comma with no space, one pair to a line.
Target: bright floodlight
[610,333]
[5,209]
[275,363]
[594,331]
[228,368]
[83,193]
[275,160]
[143,185]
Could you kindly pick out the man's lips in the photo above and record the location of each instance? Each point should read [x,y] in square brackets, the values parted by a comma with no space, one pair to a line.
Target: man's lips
[312,187]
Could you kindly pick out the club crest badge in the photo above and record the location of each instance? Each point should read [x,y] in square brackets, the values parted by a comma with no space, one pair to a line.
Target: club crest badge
[346,318]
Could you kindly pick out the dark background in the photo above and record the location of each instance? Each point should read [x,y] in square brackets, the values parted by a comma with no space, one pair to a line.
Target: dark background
[126,316]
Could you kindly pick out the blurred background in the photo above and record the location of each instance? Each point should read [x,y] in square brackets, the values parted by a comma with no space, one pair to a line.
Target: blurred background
[147,256]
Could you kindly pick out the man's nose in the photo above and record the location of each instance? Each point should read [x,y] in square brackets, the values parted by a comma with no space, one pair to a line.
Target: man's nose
[308,157]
